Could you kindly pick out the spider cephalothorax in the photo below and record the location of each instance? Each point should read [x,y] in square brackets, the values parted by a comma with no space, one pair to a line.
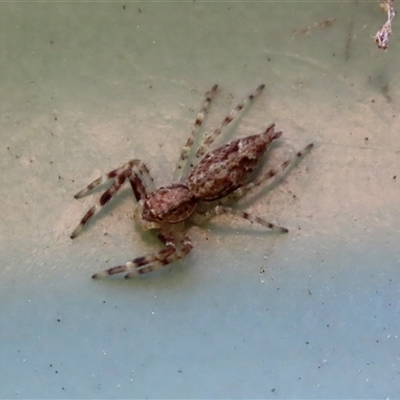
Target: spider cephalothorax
[221,174]
[170,204]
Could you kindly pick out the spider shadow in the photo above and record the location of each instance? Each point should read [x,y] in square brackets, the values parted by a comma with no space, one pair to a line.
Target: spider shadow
[253,230]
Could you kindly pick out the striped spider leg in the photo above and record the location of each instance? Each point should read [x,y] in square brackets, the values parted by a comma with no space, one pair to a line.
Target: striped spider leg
[182,165]
[139,177]
[176,247]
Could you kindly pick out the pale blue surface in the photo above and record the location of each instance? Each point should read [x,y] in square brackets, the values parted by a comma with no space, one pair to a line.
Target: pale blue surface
[313,314]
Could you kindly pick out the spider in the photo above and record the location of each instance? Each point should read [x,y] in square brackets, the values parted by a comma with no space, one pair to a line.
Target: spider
[213,179]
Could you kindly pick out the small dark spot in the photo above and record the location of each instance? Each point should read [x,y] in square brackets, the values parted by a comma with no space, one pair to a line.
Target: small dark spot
[307,342]
[333,54]
[88,215]
[58,320]
[273,390]
[180,371]
[55,118]
[394,176]
[56,372]
[51,42]
[372,101]
[124,7]
[105,198]
[139,261]
[140,10]
[269,59]
[366,139]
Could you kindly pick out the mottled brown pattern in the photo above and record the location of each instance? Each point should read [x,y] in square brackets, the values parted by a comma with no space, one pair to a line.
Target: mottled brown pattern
[221,174]
[228,167]
[171,204]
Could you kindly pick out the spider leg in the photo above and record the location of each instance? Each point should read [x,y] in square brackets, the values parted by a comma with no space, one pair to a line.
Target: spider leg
[138,186]
[182,162]
[137,165]
[218,210]
[268,175]
[174,250]
[227,120]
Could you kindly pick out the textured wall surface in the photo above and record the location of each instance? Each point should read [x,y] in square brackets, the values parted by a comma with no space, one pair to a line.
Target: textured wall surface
[315,313]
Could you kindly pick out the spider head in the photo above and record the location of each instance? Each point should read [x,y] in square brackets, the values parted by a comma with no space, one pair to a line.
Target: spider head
[171,204]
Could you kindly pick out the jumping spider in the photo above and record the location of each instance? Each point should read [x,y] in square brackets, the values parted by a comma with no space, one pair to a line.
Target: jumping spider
[214,178]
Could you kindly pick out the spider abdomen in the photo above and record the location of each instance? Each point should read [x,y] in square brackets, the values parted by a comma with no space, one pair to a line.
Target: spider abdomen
[228,167]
